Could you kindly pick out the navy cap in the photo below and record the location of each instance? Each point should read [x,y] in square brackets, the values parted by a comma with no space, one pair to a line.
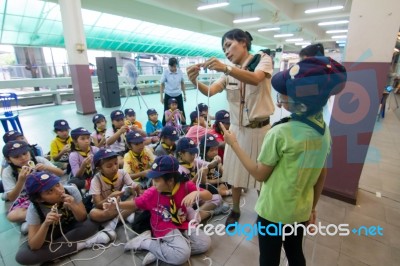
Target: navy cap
[134,137]
[97,117]
[11,135]
[223,117]
[117,115]
[209,140]
[311,81]
[151,111]
[202,107]
[61,125]
[80,131]
[130,112]
[103,154]
[172,100]
[162,165]
[170,132]
[40,181]
[15,148]
[186,145]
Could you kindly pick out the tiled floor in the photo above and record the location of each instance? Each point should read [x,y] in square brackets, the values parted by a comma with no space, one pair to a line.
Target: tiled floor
[380,174]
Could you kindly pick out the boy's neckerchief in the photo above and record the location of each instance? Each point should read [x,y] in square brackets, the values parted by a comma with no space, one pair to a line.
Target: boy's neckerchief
[138,157]
[172,205]
[111,182]
[88,170]
[190,166]
[316,121]
[168,148]
[101,131]
[63,141]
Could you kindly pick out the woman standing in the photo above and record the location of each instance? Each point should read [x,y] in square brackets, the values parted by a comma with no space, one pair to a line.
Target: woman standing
[248,89]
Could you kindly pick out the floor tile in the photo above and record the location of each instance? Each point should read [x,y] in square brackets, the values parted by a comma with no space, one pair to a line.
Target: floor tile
[345,260]
[318,254]
[393,216]
[246,254]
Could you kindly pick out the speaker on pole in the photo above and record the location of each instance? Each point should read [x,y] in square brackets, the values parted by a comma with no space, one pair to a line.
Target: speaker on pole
[108,81]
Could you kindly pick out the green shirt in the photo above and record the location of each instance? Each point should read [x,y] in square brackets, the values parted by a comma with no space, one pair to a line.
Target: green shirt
[298,153]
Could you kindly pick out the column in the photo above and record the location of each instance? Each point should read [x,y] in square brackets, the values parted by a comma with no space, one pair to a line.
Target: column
[75,43]
[371,38]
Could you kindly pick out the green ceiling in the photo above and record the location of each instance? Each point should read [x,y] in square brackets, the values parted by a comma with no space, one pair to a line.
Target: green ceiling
[38,23]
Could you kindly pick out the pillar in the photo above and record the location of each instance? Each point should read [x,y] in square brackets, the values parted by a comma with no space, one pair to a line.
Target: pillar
[75,43]
[371,38]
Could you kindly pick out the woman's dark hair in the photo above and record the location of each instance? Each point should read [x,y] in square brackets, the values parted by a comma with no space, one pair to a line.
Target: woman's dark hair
[238,35]
[316,49]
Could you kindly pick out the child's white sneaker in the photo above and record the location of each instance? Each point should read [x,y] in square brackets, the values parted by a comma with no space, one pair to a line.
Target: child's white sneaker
[24,228]
[102,237]
[134,244]
[149,258]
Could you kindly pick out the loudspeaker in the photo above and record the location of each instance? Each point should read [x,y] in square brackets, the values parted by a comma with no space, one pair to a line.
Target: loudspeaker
[108,81]
[109,94]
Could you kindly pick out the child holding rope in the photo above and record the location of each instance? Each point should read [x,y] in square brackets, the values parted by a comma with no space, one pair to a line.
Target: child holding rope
[57,221]
[167,202]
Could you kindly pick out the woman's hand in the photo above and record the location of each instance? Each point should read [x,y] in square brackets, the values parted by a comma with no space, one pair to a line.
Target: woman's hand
[189,199]
[214,64]
[229,137]
[193,72]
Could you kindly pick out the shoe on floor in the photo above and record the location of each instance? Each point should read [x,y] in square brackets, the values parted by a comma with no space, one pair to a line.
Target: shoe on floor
[149,258]
[134,244]
[102,237]
[223,208]
[232,218]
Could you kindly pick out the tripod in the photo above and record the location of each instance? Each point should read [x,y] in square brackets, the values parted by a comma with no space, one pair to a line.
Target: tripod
[131,74]
[139,96]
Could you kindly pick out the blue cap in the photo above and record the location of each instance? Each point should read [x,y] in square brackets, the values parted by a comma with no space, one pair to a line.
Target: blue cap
[11,135]
[162,165]
[311,81]
[15,148]
[209,140]
[170,132]
[103,154]
[40,181]
[186,145]
[134,137]
[172,100]
[202,107]
[117,115]
[223,117]
[61,125]
[97,117]
[80,131]
[130,112]
[151,111]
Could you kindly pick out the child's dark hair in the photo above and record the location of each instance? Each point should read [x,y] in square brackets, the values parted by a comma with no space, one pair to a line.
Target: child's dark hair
[217,127]
[94,125]
[238,35]
[15,168]
[316,49]
[177,177]
[115,131]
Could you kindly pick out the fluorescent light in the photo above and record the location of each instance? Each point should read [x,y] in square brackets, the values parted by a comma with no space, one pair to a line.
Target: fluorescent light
[283,35]
[212,6]
[269,29]
[342,44]
[323,9]
[294,40]
[242,20]
[328,23]
[341,41]
[336,31]
[302,43]
[339,37]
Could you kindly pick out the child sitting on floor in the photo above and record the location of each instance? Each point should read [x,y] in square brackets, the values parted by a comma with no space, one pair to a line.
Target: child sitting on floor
[167,202]
[57,219]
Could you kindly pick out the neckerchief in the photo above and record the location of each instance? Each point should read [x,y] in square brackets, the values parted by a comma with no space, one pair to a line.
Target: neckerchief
[110,182]
[190,166]
[63,141]
[142,160]
[172,205]
[316,121]
[168,148]
[154,125]
[84,154]
[101,131]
